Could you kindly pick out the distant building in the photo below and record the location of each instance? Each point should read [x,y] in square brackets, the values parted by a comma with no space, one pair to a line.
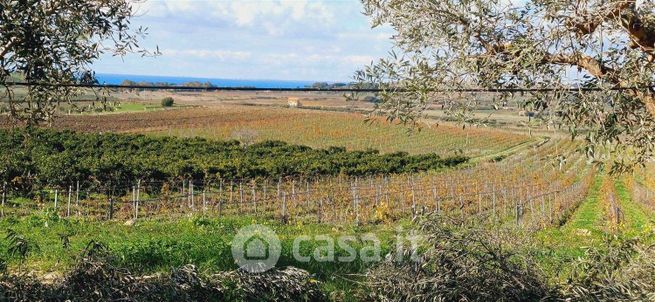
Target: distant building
[294,102]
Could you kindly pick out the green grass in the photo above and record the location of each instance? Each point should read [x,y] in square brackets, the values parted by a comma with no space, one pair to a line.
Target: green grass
[637,220]
[158,245]
[136,107]
[557,247]
[129,107]
[591,214]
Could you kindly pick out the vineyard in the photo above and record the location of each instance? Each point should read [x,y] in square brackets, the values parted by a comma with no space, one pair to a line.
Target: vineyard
[316,129]
[156,201]
[528,188]
[452,151]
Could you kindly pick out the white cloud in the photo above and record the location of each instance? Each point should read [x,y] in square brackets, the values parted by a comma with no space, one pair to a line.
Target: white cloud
[224,55]
[243,13]
[297,8]
[273,39]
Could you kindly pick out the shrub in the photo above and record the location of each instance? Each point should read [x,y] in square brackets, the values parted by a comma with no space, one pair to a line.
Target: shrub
[3,266]
[459,263]
[463,262]
[95,278]
[51,158]
[618,270]
[284,284]
[167,102]
[372,99]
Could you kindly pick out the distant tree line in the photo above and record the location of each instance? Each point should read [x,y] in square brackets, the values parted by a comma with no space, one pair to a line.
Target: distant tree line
[193,84]
[351,85]
[46,158]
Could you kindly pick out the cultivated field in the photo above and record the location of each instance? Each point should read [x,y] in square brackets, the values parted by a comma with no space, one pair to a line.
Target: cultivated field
[318,129]
[168,199]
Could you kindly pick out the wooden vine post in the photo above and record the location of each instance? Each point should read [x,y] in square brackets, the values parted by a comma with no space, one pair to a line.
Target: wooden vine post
[435,197]
[111,204]
[56,198]
[68,205]
[493,199]
[191,196]
[231,193]
[285,218]
[204,201]
[477,189]
[134,201]
[411,184]
[240,196]
[319,213]
[4,199]
[77,197]
[355,202]
[111,207]
[138,197]
[307,194]
[254,197]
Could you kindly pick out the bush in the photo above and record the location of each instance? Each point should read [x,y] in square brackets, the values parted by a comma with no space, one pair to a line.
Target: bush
[95,278]
[372,99]
[51,158]
[459,263]
[463,262]
[167,102]
[283,284]
[618,270]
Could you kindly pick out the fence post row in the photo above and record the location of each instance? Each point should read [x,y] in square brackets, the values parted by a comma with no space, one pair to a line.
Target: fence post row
[426,194]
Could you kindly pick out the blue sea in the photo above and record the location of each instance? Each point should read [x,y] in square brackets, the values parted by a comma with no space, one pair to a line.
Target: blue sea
[116,79]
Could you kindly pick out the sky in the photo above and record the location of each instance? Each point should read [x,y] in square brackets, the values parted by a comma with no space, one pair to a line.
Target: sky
[316,40]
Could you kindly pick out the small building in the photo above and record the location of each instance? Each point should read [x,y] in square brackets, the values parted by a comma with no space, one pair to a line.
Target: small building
[294,102]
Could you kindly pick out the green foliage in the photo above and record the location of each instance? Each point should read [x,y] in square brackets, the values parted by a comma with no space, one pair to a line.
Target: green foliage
[3,266]
[453,45]
[288,284]
[19,246]
[96,279]
[55,43]
[621,269]
[45,158]
[459,263]
[156,246]
[167,102]
[464,262]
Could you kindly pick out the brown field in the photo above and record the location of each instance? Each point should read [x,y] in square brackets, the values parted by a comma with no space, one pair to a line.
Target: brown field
[313,128]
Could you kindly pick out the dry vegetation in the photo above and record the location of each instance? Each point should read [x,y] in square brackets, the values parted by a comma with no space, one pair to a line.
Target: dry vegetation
[319,129]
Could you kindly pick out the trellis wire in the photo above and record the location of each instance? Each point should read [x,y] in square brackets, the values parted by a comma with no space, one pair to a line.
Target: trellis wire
[408,199]
[311,89]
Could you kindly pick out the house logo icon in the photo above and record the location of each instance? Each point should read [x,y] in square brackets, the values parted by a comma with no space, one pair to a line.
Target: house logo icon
[256,248]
